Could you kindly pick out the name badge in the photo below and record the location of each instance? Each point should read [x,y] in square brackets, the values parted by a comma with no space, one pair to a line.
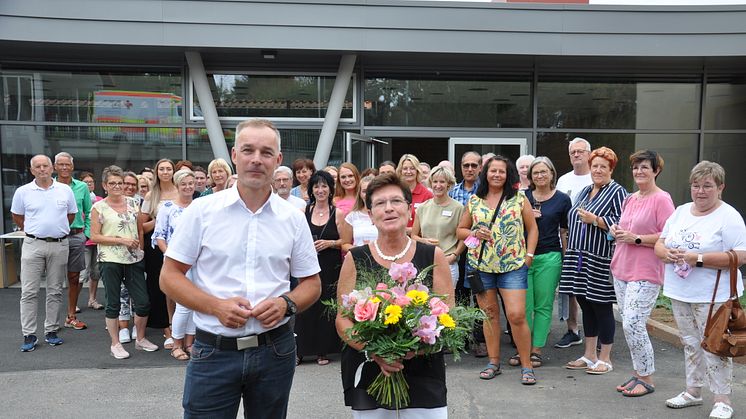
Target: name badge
[446,213]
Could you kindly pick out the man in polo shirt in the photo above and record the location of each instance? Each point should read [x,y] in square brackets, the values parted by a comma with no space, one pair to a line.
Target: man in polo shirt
[44,209]
[79,229]
[242,246]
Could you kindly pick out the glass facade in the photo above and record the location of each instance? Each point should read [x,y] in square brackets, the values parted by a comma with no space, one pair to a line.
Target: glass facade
[294,96]
[726,102]
[477,103]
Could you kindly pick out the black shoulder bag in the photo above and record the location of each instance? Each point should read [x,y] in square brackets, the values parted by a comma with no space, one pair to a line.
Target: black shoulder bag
[475,279]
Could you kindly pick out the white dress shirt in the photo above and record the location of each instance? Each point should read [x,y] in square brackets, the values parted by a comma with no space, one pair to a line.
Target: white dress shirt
[235,252]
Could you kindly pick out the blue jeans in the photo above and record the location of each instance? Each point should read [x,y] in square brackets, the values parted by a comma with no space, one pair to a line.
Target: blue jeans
[513,280]
[216,380]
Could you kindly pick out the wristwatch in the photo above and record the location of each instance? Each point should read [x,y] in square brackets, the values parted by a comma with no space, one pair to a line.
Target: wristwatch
[700,260]
[595,222]
[292,308]
[638,240]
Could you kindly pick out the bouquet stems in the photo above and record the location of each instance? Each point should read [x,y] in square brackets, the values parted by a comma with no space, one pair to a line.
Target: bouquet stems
[391,391]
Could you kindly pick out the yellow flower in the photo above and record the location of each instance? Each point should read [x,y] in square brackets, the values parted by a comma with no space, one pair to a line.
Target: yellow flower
[393,314]
[447,321]
[375,300]
[417,297]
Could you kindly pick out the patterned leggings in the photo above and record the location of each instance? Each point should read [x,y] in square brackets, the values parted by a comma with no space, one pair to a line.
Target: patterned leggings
[691,319]
[636,300]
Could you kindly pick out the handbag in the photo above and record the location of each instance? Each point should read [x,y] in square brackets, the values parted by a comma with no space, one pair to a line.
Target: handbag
[475,279]
[725,331]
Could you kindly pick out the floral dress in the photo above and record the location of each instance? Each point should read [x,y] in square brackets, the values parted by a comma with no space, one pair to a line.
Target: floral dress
[506,249]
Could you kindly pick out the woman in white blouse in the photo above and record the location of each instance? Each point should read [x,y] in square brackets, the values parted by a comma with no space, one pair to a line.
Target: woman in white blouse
[358,229]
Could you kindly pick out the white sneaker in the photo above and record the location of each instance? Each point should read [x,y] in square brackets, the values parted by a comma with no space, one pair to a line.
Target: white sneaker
[134,332]
[124,336]
[145,345]
[721,411]
[118,352]
[684,399]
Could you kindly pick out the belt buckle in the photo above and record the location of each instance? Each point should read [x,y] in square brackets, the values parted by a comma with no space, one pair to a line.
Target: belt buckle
[247,342]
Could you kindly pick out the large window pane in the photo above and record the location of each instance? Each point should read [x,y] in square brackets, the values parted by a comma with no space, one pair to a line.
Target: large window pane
[728,150]
[296,143]
[726,103]
[679,152]
[92,148]
[117,98]
[618,105]
[447,103]
[273,96]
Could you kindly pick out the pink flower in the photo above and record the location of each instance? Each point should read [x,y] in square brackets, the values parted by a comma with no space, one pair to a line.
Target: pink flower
[471,242]
[418,287]
[438,306]
[400,296]
[402,273]
[366,310]
[382,286]
[428,330]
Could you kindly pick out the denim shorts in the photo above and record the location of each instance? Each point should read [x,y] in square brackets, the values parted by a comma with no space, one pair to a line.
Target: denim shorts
[513,280]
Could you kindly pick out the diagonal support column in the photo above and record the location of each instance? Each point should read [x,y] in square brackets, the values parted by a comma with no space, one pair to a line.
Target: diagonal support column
[334,110]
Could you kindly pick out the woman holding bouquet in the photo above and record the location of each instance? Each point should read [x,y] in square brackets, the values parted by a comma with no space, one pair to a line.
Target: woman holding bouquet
[389,201]
[497,216]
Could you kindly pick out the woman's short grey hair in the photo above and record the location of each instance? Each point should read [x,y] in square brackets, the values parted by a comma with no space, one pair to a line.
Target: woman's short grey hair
[705,169]
[110,171]
[181,174]
[552,170]
[443,172]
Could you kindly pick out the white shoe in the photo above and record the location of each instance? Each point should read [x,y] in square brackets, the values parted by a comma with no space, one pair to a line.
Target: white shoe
[684,399]
[145,345]
[134,332]
[168,343]
[124,336]
[118,352]
[721,411]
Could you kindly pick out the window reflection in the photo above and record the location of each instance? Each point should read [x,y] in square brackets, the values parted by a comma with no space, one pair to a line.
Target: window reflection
[728,150]
[726,107]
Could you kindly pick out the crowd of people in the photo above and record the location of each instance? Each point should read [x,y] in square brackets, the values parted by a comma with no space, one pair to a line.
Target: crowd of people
[509,237]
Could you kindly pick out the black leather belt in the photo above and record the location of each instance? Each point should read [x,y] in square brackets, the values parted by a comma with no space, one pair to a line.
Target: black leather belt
[75,231]
[46,239]
[241,343]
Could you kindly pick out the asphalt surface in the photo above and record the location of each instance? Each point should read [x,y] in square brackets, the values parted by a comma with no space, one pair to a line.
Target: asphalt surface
[79,379]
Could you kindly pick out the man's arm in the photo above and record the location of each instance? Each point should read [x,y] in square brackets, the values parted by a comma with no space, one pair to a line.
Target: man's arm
[232,312]
[270,311]
[18,220]
[70,218]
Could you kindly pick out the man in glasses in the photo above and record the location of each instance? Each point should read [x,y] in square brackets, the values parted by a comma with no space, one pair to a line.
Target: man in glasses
[80,228]
[43,209]
[572,183]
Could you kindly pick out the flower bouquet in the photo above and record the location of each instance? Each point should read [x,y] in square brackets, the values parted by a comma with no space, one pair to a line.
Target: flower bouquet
[395,315]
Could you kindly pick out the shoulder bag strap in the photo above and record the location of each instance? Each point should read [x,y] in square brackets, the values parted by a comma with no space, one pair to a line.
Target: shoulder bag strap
[714,292]
[733,265]
[492,221]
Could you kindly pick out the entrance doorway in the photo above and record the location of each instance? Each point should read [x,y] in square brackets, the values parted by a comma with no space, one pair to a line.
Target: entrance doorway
[427,149]
[512,148]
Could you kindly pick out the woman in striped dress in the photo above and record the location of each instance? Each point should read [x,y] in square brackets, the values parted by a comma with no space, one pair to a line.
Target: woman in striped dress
[585,269]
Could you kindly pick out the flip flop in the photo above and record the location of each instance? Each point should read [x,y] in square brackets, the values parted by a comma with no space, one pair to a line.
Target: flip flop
[581,363]
[627,392]
[620,388]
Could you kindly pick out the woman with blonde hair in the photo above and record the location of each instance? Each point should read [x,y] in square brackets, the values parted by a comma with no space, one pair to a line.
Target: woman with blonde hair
[220,172]
[162,191]
[347,188]
[410,173]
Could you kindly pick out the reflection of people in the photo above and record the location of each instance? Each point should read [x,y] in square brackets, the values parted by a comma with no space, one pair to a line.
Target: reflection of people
[389,201]
[638,274]
[585,268]
[44,209]
[696,238]
[571,183]
[504,262]
[240,288]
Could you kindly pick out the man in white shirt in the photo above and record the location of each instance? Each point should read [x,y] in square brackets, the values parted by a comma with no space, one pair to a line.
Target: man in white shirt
[572,183]
[242,245]
[43,209]
[282,182]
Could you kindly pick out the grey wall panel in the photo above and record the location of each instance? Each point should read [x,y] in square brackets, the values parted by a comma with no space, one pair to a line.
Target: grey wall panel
[361,26]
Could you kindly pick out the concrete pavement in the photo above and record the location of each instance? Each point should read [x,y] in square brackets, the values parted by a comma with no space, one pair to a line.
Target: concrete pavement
[79,379]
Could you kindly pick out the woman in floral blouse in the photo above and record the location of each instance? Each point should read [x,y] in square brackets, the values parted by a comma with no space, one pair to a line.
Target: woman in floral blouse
[505,260]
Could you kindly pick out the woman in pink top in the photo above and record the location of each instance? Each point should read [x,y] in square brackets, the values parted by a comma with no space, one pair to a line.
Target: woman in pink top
[410,173]
[347,188]
[638,273]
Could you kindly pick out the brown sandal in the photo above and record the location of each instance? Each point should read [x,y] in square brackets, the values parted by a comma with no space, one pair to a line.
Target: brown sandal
[179,354]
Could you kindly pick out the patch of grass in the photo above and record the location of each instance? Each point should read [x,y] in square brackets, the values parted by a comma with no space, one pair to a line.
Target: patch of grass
[663,302]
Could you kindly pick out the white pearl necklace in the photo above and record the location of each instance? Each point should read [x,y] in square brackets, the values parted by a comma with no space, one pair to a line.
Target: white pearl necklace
[396,256]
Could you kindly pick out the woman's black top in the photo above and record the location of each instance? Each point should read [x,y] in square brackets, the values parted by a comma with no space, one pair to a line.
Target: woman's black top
[426,375]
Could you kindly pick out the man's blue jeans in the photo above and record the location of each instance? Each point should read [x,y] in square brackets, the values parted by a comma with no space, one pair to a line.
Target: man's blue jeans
[217,379]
